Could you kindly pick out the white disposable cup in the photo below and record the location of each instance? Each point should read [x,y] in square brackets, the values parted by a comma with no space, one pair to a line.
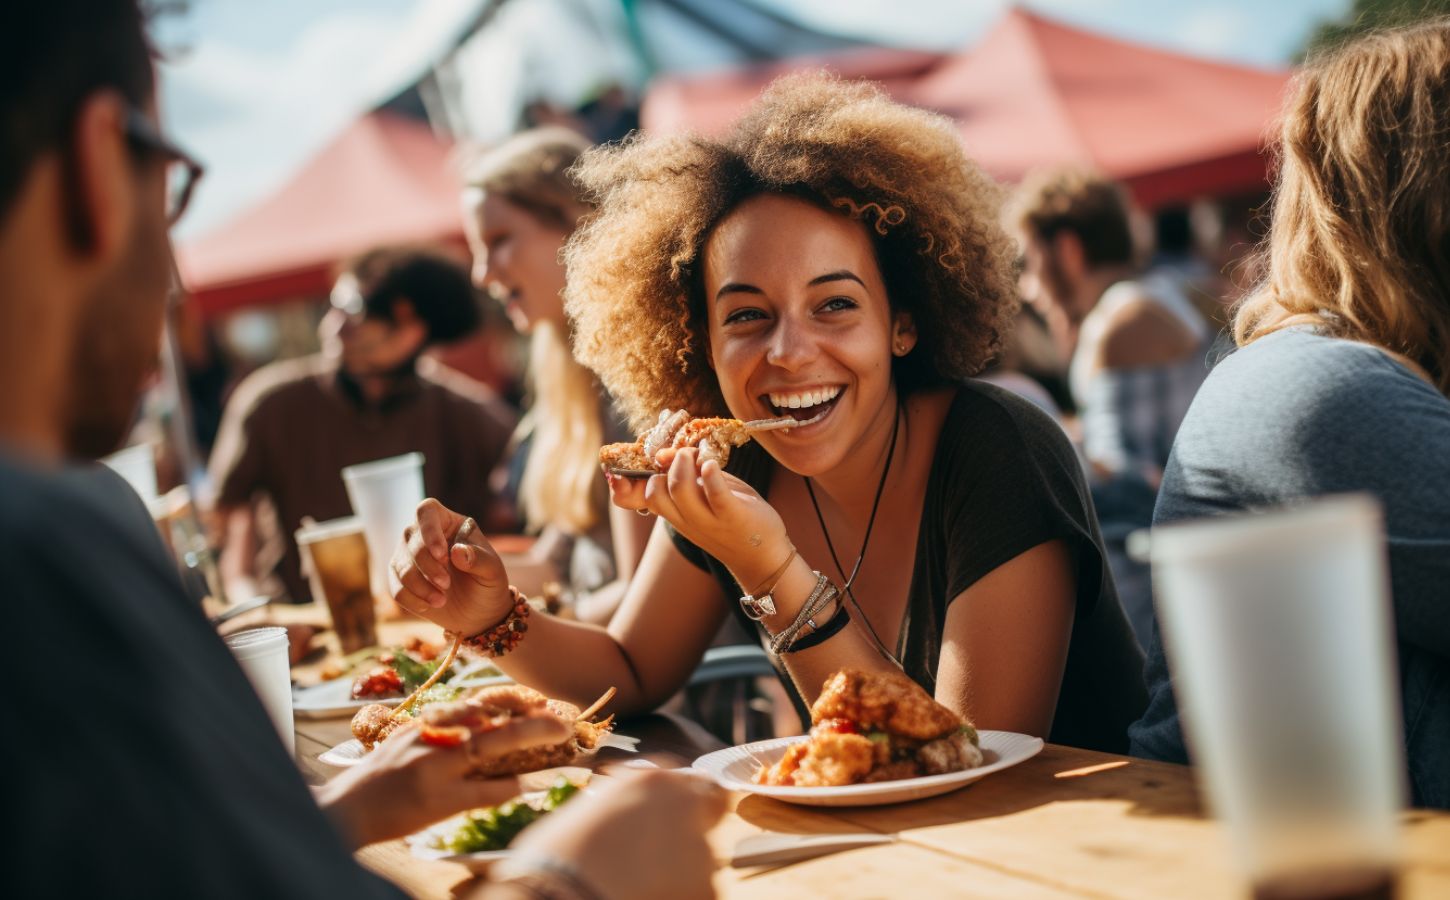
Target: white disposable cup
[385,494]
[137,465]
[262,654]
[1277,628]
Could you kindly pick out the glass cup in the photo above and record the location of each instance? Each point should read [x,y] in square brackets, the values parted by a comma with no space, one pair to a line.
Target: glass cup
[262,654]
[1277,628]
[385,495]
[335,559]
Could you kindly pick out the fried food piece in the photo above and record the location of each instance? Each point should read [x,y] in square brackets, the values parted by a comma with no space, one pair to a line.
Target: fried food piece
[627,455]
[374,723]
[714,438]
[827,760]
[884,701]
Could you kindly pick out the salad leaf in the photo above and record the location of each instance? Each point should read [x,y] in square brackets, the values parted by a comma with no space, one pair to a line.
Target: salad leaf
[496,827]
[412,672]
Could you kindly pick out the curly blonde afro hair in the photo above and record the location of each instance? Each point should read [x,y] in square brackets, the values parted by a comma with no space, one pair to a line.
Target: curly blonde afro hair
[635,293]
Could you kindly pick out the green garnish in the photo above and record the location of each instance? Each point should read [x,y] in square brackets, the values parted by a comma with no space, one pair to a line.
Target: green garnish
[969,731]
[878,737]
[496,827]
[412,672]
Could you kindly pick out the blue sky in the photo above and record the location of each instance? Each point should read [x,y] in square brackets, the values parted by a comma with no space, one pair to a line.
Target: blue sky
[262,84]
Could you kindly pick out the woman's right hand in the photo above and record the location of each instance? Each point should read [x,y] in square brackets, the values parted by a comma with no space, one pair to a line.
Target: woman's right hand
[460,586]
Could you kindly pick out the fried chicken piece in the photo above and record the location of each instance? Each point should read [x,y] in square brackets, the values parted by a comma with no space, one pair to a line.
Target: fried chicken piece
[894,771]
[827,760]
[884,701]
[627,455]
[714,438]
[374,723]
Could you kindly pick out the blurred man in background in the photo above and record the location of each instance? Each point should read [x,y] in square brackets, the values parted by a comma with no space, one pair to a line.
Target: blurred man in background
[1133,343]
[151,728]
[291,427]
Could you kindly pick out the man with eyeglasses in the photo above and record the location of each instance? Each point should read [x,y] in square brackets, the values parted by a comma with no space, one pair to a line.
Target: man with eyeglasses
[370,394]
[139,762]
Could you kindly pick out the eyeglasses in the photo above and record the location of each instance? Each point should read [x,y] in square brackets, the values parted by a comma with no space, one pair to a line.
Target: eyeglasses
[182,171]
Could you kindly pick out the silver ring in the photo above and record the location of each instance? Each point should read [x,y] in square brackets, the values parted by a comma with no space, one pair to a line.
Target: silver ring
[642,512]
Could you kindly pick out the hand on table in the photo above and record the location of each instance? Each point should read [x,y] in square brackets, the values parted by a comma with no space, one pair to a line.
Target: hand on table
[404,784]
[713,509]
[461,586]
[637,836]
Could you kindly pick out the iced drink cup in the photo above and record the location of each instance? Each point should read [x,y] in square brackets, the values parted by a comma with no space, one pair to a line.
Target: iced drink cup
[262,654]
[1277,629]
[385,495]
[335,558]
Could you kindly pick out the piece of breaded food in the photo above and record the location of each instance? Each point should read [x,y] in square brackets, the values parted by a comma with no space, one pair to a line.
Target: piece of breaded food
[626,455]
[884,701]
[375,722]
[827,760]
[714,438]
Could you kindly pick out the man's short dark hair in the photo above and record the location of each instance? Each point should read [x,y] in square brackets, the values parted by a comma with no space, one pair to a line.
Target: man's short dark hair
[1090,206]
[437,287]
[53,55]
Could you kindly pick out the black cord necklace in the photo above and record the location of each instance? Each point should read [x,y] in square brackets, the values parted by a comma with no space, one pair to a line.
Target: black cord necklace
[865,542]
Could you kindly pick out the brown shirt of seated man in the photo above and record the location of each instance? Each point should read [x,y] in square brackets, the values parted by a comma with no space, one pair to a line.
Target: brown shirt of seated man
[291,427]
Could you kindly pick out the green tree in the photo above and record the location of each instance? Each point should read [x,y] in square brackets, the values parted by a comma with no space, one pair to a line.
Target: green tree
[1369,15]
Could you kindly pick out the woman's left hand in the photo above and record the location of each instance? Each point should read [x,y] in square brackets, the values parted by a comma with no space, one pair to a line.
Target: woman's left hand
[720,514]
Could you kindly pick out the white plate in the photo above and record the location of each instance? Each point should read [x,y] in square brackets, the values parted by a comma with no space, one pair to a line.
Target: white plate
[734,767]
[350,753]
[333,699]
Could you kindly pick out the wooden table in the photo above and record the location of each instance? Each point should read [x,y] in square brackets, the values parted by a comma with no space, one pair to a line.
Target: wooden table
[1067,823]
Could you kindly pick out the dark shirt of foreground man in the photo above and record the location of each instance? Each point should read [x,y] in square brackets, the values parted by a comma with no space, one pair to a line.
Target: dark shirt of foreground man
[142,761]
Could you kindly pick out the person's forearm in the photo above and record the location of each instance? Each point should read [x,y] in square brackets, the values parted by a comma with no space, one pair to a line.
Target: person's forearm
[597,607]
[577,662]
[239,553]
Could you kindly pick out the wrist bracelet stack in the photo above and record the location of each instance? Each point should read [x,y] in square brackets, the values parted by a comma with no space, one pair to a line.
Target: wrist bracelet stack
[833,627]
[506,635]
[821,595]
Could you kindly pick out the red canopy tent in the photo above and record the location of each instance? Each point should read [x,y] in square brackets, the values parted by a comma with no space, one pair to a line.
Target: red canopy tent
[385,180]
[1034,92]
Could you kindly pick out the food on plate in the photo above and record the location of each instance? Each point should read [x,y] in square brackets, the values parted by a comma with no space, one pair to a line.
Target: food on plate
[875,726]
[713,437]
[496,827]
[404,669]
[453,723]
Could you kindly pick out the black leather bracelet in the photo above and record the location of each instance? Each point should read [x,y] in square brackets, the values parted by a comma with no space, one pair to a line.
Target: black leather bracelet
[840,620]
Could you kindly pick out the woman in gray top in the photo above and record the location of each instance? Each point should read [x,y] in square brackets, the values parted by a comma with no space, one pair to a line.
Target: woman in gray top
[1341,380]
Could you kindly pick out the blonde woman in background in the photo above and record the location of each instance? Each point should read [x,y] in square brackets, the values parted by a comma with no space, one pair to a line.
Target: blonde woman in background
[1341,382]
[519,207]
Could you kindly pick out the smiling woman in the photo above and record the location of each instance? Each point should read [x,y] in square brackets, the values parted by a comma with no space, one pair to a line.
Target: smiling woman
[836,260]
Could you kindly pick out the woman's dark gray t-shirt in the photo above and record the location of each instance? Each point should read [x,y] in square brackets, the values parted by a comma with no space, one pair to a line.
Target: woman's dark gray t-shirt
[1296,415]
[1004,479]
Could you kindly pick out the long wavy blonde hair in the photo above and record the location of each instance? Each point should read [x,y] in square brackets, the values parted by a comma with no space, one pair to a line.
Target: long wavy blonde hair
[561,484]
[1359,241]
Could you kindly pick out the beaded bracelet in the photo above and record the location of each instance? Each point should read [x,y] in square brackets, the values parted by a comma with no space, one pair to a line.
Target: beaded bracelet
[506,635]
